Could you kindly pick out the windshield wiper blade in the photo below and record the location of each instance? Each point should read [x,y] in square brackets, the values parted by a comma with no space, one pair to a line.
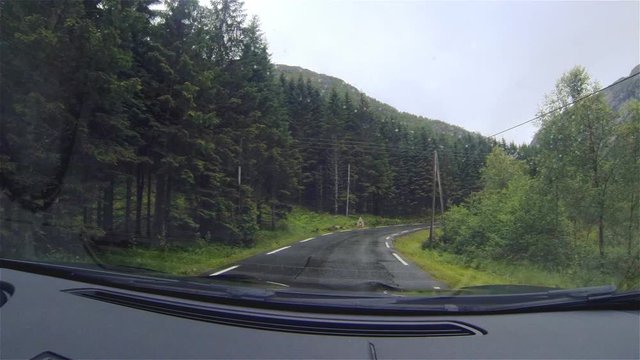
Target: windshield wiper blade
[630,298]
[556,299]
[585,292]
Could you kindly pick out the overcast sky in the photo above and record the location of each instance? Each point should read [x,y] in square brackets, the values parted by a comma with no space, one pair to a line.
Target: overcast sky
[484,66]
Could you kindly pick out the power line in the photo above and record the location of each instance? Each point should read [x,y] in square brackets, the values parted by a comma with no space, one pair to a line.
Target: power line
[398,152]
[566,105]
[367,145]
[393,151]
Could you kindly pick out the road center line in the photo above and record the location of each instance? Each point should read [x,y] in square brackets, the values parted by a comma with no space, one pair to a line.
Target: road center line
[400,259]
[225,270]
[305,240]
[387,245]
[275,251]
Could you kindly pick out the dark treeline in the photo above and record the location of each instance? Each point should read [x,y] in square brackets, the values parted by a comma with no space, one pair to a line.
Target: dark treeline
[123,121]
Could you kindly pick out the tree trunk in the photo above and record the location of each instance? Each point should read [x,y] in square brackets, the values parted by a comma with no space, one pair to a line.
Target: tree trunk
[107,215]
[99,221]
[601,234]
[273,216]
[335,184]
[167,207]
[259,213]
[139,198]
[159,210]
[320,190]
[85,215]
[148,204]
[127,206]
[631,211]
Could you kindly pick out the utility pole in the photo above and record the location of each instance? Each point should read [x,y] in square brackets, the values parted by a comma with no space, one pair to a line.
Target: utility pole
[239,189]
[348,185]
[433,196]
[335,171]
[440,187]
[240,161]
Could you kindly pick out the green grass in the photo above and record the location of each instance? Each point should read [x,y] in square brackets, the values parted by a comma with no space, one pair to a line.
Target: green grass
[455,273]
[199,258]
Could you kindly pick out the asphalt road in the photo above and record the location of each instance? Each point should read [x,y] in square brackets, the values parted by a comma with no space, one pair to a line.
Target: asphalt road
[351,260]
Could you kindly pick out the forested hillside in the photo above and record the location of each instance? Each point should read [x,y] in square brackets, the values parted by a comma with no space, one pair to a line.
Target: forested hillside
[379,110]
[127,123]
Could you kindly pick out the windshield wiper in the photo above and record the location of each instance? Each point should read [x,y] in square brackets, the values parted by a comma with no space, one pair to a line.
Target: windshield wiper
[470,300]
[198,288]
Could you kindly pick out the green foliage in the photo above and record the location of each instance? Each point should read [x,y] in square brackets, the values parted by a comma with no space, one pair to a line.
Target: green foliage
[511,219]
[500,170]
[581,159]
[542,210]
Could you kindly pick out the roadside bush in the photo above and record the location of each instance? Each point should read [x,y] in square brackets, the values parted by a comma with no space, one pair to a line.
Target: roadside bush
[511,219]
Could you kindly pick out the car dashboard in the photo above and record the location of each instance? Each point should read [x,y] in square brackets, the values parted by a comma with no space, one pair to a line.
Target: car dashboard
[57,318]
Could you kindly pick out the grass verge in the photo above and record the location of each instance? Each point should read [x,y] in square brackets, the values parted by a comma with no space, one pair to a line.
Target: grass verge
[451,270]
[202,257]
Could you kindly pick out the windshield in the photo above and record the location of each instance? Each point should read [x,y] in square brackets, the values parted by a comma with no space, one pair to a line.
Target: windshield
[406,148]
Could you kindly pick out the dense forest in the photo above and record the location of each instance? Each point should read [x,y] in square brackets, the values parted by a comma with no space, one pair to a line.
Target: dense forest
[131,122]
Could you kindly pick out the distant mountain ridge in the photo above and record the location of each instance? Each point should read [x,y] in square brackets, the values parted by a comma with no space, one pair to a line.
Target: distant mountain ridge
[619,94]
[325,83]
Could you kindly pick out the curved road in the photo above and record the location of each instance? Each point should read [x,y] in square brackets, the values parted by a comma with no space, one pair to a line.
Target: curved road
[362,259]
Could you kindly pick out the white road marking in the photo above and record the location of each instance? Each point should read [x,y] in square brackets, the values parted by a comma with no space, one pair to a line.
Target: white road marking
[225,270]
[275,251]
[277,283]
[437,287]
[305,240]
[388,238]
[387,245]
[400,259]
[345,230]
[327,234]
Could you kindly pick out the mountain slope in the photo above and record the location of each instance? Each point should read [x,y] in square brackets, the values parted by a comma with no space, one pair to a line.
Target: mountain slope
[381,110]
[619,94]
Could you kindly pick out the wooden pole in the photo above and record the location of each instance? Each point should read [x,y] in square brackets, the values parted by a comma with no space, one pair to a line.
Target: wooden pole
[440,187]
[348,183]
[433,198]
